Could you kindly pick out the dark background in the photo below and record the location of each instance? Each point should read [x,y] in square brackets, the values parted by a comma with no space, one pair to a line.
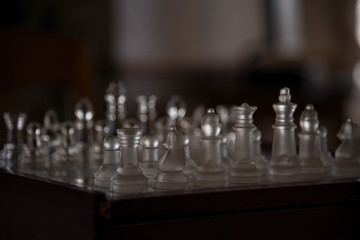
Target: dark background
[214,52]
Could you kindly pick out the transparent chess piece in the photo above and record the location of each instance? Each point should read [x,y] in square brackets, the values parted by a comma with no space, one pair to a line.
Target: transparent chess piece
[244,169]
[67,160]
[84,123]
[50,131]
[95,155]
[115,98]
[172,163]
[284,166]
[192,153]
[260,159]
[146,112]
[150,156]
[210,173]
[129,177]
[12,151]
[35,158]
[325,155]
[311,165]
[176,109]
[111,161]
[346,163]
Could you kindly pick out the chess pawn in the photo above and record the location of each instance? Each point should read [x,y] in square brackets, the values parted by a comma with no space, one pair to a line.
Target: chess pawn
[101,130]
[50,131]
[284,166]
[129,178]
[150,155]
[171,165]
[11,153]
[244,169]
[311,165]
[115,98]
[192,151]
[84,113]
[111,161]
[210,172]
[67,160]
[346,162]
[34,158]
[325,155]
[260,159]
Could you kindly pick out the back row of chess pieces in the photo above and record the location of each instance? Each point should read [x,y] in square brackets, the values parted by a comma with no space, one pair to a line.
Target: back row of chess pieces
[176,155]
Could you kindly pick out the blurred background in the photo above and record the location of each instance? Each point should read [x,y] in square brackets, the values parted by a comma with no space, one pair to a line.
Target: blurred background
[214,52]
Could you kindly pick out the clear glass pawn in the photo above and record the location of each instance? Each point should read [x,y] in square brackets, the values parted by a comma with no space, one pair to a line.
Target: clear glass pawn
[244,169]
[50,132]
[129,177]
[67,160]
[150,156]
[11,153]
[284,166]
[210,173]
[101,130]
[35,158]
[311,165]
[111,161]
[172,163]
[346,163]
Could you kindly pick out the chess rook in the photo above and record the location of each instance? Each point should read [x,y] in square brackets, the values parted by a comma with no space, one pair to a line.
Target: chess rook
[244,169]
[129,178]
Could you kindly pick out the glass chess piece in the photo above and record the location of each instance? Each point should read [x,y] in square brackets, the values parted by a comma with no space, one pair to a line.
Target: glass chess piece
[211,172]
[284,166]
[244,169]
[192,153]
[50,135]
[172,163]
[325,155]
[129,177]
[146,112]
[260,159]
[84,123]
[311,165]
[67,163]
[111,161]
[115,98]
[176,110]
[11,153]
[150,156]
[346,163]
[101,130]
[35,159]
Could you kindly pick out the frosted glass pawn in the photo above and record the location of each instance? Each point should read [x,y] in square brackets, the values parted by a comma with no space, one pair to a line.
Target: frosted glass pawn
[210,173]
[284,166]
[346,163]
[35,158]
[96,148]
[150,155]
[244,169]
[111,161]
[171,165]
[11,153]
[311,165]
[129,177]
[260,159]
